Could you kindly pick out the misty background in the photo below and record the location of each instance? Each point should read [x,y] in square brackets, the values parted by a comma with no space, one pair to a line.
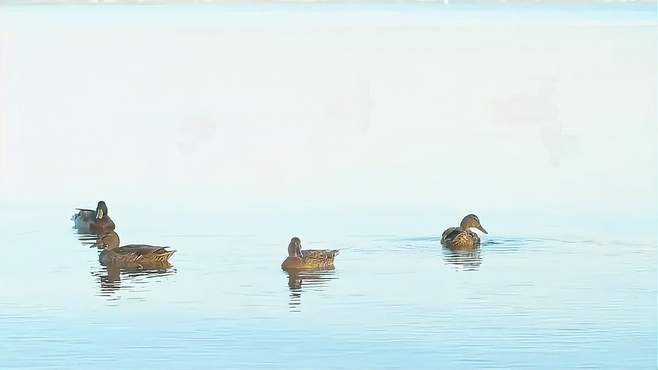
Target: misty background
[367,120]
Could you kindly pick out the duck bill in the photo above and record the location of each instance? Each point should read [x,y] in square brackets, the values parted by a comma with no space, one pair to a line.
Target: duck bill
[482,229]
[99,213]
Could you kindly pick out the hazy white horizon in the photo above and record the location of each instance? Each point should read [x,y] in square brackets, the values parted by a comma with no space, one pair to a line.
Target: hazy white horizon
[293,110]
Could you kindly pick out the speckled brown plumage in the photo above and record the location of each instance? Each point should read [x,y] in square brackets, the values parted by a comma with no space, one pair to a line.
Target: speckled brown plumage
[133,255]
[308,259]
[462,237]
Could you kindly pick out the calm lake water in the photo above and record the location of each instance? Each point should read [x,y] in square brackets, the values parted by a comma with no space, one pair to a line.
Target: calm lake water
[393,301]
[224,131]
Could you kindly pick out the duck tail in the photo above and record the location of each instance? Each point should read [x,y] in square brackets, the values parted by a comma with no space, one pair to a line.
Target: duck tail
[167,254]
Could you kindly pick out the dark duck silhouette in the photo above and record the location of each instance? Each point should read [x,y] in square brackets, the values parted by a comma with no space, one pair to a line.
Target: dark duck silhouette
[93,221]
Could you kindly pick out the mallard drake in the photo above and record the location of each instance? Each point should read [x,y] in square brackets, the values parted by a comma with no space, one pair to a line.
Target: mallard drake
[132,256]
[309,259]
[94,221]
[462,237]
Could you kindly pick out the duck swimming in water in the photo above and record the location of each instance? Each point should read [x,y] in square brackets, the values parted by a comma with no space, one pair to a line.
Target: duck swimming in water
[93,221]
[309,259]
[131,256]
[462,237]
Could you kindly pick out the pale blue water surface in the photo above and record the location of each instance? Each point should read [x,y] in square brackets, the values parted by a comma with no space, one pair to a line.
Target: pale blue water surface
[393,301]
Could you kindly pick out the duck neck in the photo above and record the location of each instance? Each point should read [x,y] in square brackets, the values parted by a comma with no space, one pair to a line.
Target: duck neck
[112,241]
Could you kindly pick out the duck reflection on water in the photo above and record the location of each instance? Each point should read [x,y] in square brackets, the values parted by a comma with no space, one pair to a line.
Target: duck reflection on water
[307,281]
[88,240]
[464,259]
[114,278]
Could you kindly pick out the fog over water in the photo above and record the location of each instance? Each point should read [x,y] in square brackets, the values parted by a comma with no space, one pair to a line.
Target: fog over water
[224,130]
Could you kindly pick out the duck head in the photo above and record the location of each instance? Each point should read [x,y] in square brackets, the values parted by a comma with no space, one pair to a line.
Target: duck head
[295,247]
[108,241]
[472,221]
[101,210]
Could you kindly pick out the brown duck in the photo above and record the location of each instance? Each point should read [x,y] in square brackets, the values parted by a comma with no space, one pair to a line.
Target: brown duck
[462,237]
[309,259]
[94,221]
[133,255]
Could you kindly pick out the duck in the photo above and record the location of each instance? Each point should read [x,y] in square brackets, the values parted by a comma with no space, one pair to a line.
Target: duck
[135,256]
[94,221]
[309,259]
[462,237]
